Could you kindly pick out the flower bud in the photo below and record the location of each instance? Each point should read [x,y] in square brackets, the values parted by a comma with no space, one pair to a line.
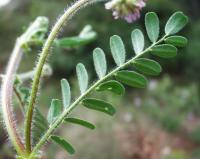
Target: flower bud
[126,9]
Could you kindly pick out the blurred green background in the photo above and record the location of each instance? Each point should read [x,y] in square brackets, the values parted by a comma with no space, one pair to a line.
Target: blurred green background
[159,122]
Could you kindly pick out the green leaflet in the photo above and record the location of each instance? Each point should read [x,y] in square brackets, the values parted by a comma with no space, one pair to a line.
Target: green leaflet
[80,122]
[118,50]
[175,23]
[131,78]
[100,62]
[147,66]
[70,42]
[63,143]
[74,41]
[82,77]
[178,41]
[152,26]
[86,36]
[99,105]
[66,93]
[112,86]
[54,110]
[164,51]
[137,41]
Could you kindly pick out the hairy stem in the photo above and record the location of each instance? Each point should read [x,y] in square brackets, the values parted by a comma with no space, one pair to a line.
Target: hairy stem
[43,56]
[6,98]
[73,105]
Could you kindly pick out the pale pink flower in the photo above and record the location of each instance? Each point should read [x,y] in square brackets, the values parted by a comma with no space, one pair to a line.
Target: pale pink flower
[126,9]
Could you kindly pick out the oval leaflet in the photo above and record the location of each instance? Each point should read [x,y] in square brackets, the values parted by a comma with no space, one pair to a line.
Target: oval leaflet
[164,51]
[147,66]
[82,77]
[178,41]
[118,50]
[175,23]
[112,86]
[99,105]
[66,93]
[137,41]
[152,26]
[99,62]
[54,110]
[80,122]
[131,78]
[63,143]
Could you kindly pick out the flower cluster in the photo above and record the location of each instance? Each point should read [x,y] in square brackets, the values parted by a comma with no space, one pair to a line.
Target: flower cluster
[126,9]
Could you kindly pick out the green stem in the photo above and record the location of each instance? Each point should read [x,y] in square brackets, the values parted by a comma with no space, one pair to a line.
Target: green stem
[73,105]
[43,56]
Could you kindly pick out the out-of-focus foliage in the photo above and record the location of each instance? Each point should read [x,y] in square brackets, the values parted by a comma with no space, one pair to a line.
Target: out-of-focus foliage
[195,135]
[177,155]
[171,105]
